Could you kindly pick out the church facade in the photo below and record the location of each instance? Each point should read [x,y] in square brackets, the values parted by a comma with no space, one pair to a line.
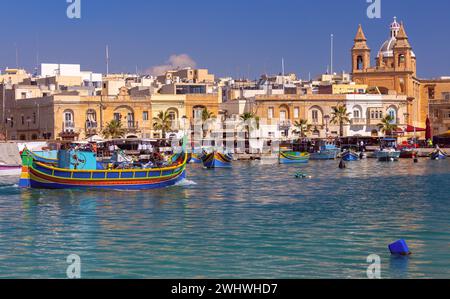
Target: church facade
[395,72]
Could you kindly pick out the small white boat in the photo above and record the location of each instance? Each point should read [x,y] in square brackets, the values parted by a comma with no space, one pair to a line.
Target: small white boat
[10,170]
[387,155]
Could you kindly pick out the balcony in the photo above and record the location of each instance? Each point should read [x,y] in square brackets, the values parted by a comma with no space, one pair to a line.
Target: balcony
[68,126]
[132,126]
[358,121]
[91,128]
[284,125]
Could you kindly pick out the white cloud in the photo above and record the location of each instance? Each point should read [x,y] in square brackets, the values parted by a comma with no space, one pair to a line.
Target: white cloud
[174,62]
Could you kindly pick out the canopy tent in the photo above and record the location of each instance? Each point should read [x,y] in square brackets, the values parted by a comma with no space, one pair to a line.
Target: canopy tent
[443,139]
[95,138]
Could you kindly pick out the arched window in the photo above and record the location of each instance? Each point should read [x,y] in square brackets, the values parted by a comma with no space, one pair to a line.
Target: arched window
[359,63]
[401,59]
[393,114]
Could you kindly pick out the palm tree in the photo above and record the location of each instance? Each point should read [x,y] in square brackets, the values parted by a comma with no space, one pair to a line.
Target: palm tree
[303,127]
[341,117]
[387,125]
[113,130]
[162,122]
[250,121]
[207,118]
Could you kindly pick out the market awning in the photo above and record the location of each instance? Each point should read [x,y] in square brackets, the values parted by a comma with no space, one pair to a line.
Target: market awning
[411,129]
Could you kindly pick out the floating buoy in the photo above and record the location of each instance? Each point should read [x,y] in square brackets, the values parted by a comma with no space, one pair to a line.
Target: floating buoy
[342,165]
[301,175]
[399,248]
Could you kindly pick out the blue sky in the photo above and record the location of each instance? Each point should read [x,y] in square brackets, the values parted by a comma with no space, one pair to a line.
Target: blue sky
[234,37]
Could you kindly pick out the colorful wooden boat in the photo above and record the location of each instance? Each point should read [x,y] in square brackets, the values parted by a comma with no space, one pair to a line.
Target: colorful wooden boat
[217,160]
[287,157]
[350,156]
[196,158]
[438,155]
[80,175]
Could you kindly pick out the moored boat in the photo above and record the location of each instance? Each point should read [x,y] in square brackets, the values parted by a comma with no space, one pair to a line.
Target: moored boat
[217,160]
[287,157]
[326,152]
[350,155]
[10,170]
[388,150]
[438,154]
[387,155]
[196,158]
[80,170]
[408,153]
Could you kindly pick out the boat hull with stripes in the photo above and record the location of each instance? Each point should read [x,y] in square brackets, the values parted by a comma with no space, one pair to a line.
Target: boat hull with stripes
[44,176]
[217,160]
[293,158]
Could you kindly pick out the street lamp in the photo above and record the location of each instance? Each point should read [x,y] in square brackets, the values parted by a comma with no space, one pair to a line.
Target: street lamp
[327,119]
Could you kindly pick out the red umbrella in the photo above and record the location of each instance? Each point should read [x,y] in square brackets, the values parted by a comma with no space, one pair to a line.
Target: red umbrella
[428,129]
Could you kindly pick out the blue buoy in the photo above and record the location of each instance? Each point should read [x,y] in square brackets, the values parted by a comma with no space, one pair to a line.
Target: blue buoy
[399,248]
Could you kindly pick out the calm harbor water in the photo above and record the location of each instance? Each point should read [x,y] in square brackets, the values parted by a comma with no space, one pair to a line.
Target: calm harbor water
[252,221]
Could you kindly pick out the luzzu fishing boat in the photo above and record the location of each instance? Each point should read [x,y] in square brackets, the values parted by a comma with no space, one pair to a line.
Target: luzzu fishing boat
[287,157]
[196,158]
[217,160]
[350,155]
[80,170]
[438,155]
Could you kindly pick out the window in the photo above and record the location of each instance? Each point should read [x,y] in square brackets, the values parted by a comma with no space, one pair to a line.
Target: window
[359,63]
[283,115]
[23,120]
[24,95]
[315,116]
[34,117]
[296,112]
[446,96]
[145,116]
[393,114]
[198,113]
[68,116]
[270,113]
[117,116]
[356,114]
[431,93]
[401,59]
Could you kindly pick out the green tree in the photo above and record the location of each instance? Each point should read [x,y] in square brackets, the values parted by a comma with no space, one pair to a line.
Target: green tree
[303,127]
[207,118]
[387,125]
[113,130]
[341,117]
[250,121]
[162,123]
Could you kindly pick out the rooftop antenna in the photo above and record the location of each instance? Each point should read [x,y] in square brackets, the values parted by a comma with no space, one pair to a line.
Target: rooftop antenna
[17,56]
[332,52]
[107,60]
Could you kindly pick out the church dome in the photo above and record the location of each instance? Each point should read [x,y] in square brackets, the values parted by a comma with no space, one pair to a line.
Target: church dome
[387,49]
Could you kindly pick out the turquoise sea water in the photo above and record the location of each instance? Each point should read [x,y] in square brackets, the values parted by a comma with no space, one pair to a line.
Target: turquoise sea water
[251,221]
